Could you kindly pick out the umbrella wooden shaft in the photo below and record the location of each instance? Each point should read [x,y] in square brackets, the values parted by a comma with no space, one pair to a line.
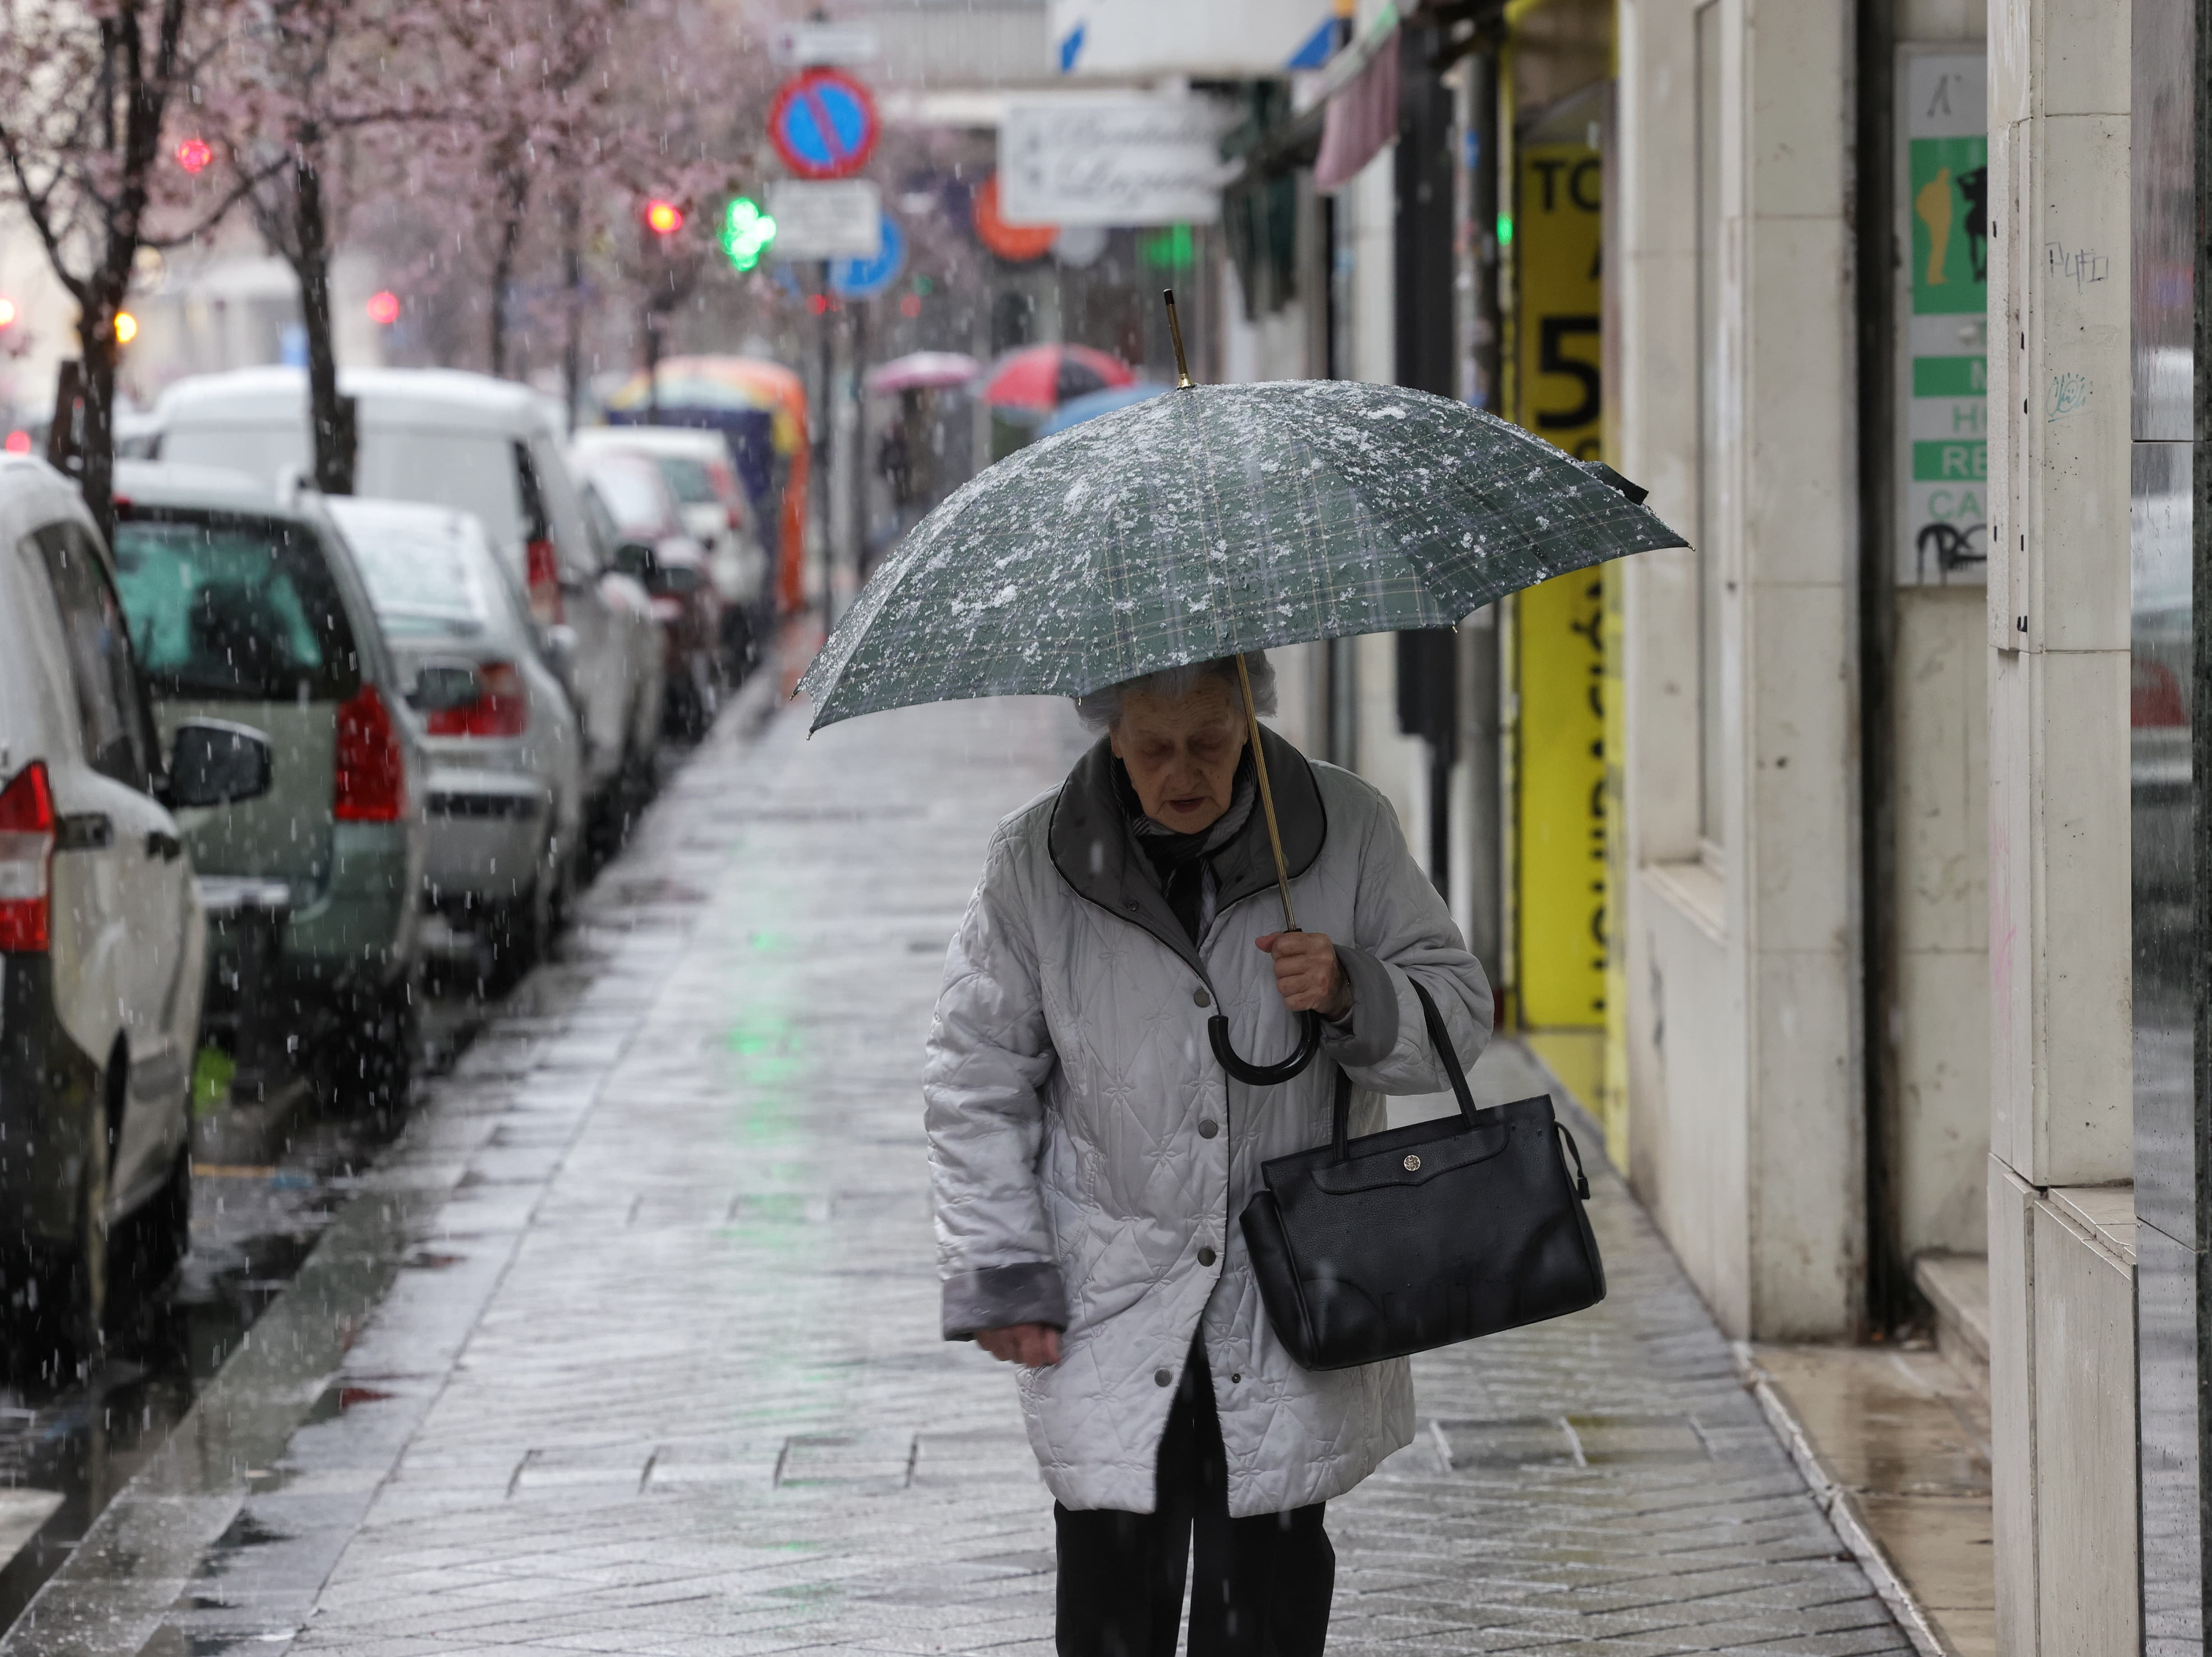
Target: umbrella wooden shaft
[1267,794]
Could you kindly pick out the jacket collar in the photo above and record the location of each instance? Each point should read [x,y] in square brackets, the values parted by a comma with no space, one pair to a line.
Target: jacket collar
[1096,854]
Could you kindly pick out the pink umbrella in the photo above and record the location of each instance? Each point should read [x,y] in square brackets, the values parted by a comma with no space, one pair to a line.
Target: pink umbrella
[922,371]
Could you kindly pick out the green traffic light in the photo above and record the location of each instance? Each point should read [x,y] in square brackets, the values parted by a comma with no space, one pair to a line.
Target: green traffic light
[746,232]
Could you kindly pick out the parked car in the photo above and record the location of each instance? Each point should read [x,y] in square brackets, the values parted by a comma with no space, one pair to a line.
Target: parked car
[101,937]
[243,608]
[651,542]
[479,445]
[505,793]
[697,468]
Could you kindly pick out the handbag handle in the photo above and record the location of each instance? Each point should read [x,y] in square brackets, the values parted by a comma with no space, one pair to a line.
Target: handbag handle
[1440,1039]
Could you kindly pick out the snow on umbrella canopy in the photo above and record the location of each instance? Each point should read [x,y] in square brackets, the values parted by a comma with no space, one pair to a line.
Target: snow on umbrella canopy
[1215,520]
[1042,377]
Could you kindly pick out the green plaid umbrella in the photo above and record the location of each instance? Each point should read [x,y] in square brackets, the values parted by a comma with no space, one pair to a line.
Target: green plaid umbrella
[1212,521]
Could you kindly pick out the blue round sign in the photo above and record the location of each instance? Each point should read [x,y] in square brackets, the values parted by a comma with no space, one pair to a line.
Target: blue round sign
[864,278]
[822,123]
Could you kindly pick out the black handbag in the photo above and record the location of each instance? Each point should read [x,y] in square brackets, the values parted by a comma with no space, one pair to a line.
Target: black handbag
[1396,1242]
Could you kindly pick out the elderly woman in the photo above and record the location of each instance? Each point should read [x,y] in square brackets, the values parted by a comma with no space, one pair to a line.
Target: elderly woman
[1091,1157]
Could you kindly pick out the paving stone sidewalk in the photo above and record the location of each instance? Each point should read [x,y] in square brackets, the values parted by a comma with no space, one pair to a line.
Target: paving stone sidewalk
[638,1353]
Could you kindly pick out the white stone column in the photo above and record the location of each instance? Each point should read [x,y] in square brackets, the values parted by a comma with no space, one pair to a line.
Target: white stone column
[2059,924]
[1744,1111]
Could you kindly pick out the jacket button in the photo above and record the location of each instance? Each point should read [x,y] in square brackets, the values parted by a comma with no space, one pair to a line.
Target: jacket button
[1199,996]
[1161,1378]
[1208,1128]
[1206,1257]
[1129,904]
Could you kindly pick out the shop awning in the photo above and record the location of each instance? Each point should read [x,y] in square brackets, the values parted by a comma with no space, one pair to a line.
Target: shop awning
[1359,90]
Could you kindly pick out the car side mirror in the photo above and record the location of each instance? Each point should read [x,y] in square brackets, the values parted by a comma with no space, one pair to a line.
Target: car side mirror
[636,560]
[558,642]
[213,762]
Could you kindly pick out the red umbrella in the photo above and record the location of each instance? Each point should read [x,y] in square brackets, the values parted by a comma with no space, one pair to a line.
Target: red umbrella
[1042,377]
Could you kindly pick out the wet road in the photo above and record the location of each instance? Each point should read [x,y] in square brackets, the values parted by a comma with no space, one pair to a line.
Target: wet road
[629,1342]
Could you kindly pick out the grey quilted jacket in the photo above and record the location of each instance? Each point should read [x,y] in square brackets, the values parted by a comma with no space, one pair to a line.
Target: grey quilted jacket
[1090,1159]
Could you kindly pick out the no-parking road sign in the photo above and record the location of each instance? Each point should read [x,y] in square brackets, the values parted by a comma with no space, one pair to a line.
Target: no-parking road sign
[822,123]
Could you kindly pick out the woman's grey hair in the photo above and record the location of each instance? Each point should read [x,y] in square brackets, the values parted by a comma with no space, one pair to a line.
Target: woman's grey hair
[1098,709]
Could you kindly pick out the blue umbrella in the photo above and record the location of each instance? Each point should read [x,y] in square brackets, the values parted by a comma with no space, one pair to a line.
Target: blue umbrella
[1092,404]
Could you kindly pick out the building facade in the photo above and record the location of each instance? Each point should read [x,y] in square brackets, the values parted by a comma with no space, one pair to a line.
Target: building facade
[1845,862]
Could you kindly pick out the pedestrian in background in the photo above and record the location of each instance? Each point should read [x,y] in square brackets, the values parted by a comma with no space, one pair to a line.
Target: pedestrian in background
[1091,1157]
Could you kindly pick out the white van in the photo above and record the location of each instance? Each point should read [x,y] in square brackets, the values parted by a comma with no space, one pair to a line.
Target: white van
[479,445]
[102,941]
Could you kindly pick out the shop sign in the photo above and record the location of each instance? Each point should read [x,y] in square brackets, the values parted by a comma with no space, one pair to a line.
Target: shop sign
[1941,310]
[1232,39]
[1017,244]
[1557,644]
[842,219]
[1130,160]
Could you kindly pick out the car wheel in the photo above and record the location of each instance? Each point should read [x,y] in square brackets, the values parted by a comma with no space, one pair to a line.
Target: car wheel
[687,708]
[79,1280]
[520,931]
[162,1233]
[369,1060]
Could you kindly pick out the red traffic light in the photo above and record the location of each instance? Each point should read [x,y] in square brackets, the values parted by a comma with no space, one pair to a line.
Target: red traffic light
[663,218]
[194,154]
[384,308]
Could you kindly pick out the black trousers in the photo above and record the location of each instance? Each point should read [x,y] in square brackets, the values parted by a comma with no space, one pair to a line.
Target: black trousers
[1261,1586]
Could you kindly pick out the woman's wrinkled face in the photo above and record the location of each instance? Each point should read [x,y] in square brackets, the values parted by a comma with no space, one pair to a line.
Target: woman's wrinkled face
[1182,752]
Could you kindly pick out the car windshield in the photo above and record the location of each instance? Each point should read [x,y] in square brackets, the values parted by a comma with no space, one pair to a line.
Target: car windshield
[630,496]
[258,451]
[422,578]
[228,607]
[688,480]
[468,471]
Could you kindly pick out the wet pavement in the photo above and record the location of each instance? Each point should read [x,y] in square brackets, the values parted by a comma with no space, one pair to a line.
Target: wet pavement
[267,1181]
[628,1344]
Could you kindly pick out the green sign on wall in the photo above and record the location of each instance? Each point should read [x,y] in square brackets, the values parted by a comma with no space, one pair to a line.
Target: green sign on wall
[1943,307]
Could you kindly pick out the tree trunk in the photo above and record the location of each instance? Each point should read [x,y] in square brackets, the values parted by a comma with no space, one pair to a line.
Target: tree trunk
[572,278]
[330,416]
[96,340]
[514,195]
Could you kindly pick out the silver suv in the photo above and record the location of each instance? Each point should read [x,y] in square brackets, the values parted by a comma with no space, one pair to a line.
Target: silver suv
[243,608]
[102,936]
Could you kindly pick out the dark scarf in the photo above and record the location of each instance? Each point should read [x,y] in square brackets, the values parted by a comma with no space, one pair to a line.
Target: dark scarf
[1184,863]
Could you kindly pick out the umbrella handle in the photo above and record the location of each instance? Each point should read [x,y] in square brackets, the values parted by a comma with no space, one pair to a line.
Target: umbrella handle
[1264,1076]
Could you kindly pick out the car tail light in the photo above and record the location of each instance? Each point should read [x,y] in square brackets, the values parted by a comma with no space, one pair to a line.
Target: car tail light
[2155,696]
[501,707]
[541,569]
[371,785]
[26,855]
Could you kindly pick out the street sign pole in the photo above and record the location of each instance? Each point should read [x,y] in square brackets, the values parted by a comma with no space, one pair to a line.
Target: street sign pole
[858,334]
[825,423]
